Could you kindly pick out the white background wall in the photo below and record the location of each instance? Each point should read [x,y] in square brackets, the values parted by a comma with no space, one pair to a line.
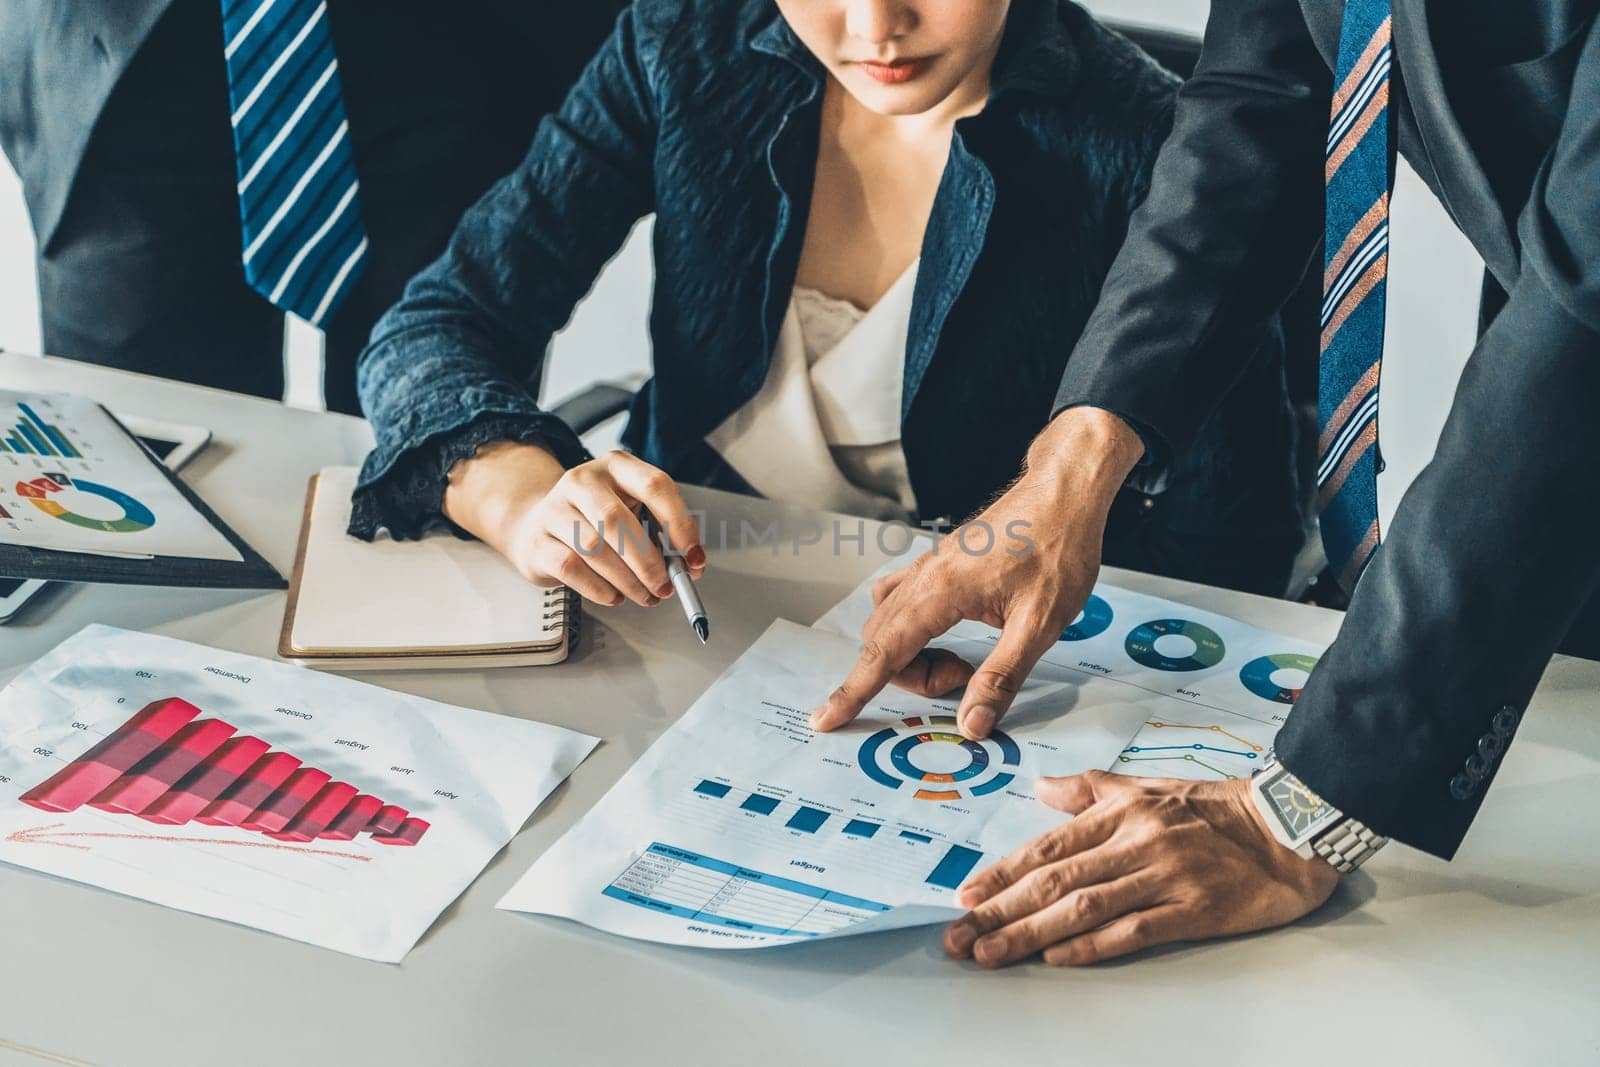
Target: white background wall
[19,295]
[1433,289]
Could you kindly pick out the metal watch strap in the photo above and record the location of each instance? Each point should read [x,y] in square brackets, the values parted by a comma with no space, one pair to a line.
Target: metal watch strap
[1348,844]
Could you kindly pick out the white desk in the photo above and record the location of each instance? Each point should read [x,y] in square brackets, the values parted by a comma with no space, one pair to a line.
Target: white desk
[1492,959]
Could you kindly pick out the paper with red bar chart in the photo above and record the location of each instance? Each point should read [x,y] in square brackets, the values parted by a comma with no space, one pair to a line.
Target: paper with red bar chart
[304,804]
[744,828]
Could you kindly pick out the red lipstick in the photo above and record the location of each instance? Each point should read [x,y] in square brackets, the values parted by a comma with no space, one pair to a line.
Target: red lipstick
[895,73]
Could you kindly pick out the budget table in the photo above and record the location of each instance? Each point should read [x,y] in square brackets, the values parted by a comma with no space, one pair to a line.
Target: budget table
[1494,958]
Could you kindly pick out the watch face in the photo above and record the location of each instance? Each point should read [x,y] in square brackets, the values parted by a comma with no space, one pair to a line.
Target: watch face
[1300,810]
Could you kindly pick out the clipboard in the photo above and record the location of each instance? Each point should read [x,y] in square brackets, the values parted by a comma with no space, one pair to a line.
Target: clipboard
[251,571]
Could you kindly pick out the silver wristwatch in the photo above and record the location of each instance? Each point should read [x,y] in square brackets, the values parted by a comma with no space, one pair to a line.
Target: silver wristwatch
[1303,821]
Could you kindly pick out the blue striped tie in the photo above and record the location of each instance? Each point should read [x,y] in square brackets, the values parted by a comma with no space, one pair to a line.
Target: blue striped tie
[299,202]
[1354,279]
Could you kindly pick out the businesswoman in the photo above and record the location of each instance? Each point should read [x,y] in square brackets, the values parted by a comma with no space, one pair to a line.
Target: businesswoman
[880,227]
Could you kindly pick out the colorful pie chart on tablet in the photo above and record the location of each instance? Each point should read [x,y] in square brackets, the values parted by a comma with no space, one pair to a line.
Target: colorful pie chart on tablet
[1175,645]
[1091,621]
[53,493]
[1278,677]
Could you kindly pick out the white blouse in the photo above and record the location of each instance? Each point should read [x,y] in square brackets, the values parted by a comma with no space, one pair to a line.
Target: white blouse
[824,429]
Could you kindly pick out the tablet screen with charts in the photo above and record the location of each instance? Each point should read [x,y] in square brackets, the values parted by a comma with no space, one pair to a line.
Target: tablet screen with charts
[172,443]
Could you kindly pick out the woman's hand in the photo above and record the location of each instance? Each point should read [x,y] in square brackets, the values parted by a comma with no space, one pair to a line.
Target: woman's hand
[580,527]
[1146,861]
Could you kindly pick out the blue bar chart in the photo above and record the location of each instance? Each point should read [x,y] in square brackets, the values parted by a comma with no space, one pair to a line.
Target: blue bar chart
[954,868]
[759,804]
[33,436]
[807,820]
[834,835]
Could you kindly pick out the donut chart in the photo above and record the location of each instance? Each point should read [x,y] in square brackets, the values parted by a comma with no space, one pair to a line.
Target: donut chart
[1256,675]
[41,491]
[1092,621]
[929,755]
[1208,646]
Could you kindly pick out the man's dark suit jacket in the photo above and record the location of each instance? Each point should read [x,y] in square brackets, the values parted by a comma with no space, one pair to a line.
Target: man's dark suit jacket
[60,59]
[1494,551]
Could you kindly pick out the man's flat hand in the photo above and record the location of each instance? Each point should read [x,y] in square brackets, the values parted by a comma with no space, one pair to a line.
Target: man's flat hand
[1145,862]
[1026,571]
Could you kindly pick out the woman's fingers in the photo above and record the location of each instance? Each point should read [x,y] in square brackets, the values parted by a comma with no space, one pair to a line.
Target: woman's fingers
[617,581]
[552,561]
[655,489]
[624,537]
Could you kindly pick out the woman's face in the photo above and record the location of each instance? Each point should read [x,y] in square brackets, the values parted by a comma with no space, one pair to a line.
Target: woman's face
[901,57]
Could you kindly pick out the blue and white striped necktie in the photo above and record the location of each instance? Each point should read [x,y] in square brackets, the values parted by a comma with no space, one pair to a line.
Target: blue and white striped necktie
[299,201]
[1355,280]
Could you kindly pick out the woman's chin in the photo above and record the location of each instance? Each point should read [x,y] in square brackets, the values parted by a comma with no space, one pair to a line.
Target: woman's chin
[915,97]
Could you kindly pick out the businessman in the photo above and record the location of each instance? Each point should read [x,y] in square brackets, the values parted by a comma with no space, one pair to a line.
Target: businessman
[196,168]
[1283,139]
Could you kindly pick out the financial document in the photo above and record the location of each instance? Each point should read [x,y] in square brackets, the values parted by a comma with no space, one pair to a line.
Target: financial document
[304,804]
[1214,691]
[72,481]
[742,827]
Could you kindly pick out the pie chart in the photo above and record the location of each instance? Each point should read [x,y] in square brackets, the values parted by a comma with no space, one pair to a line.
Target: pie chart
[1091,621]
[1175,645]
[1258,676]
[49,492]
[937,762]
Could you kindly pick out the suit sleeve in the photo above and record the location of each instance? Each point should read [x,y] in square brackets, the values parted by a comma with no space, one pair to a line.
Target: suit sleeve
[466,343]
[1492,554]
[1223,238]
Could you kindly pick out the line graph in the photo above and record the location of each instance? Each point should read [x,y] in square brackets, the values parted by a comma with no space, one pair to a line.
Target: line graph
[1214,728]
[1186,758]
[1202,755]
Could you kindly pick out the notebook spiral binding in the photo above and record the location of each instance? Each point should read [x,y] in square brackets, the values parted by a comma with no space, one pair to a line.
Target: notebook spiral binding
[567,608]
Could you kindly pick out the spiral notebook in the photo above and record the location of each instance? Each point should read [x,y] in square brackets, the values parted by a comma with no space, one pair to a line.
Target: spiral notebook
[441,602]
